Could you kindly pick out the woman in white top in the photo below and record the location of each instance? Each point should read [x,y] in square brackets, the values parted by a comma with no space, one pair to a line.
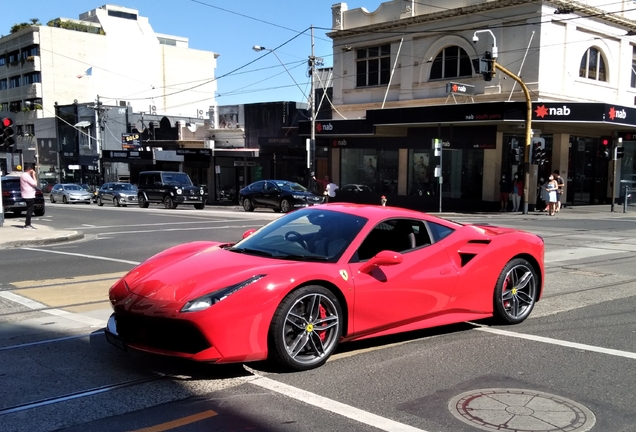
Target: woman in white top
[552,188]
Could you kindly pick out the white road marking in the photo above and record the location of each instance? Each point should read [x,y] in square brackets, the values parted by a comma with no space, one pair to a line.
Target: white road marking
[333,406]
[32,304]
[584,347]
[83,256]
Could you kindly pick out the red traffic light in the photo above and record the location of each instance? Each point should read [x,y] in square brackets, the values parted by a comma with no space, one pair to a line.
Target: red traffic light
[7,122]
[605,141]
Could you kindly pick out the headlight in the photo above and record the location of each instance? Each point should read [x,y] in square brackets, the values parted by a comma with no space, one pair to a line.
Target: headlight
[208,300]
[201,191]
[179,191]
[298,197]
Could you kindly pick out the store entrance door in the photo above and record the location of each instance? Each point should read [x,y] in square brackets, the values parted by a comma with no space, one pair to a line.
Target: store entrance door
[587,173]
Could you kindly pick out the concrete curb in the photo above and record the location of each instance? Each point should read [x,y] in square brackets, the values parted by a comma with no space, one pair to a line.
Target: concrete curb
[62,238]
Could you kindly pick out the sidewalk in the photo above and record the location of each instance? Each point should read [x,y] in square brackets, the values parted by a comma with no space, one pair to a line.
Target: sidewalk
[12,235]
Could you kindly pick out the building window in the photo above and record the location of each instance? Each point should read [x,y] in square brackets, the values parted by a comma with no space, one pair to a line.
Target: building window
[451,62]
[4,106]
[120,14]
[3,84]
[32,51]
[13,57]
[15,106]
[14,82]
[373,66]
[3,60]
[369,169]
[593,65]
[166,41]
[633,67]
[29,130]
[30,78]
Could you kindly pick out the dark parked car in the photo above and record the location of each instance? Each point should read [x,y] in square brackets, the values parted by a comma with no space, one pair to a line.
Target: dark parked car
[355,188]
[280,195]
[120,194]
[169,188]
[12,197]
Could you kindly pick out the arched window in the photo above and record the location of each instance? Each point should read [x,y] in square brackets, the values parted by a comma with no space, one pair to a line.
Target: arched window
[451,62]
[593,65]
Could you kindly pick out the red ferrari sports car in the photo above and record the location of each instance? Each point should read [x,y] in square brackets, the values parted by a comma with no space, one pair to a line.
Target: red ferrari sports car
[297,287]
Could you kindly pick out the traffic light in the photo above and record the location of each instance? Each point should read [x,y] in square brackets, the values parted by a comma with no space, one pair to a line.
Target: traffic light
[620,152]
[437,152]
[487,66]
[606,147]
[6,133]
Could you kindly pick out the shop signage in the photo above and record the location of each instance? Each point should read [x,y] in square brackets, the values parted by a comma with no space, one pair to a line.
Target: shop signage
[130,141]
[461,89]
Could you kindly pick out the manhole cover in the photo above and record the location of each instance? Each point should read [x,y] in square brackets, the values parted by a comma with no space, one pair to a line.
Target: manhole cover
[516,410]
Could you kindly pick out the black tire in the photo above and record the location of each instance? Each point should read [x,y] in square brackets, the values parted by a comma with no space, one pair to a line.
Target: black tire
[247,205]
[51,198]
[285,206]
[100,202]
[142,202]
[169,203]
[199,206]
[294,341]
[64,200]
[39,212]
[116,202]
[516,292]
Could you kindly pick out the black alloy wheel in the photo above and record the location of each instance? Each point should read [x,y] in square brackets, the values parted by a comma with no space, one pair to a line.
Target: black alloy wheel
[142,202]
[285,206]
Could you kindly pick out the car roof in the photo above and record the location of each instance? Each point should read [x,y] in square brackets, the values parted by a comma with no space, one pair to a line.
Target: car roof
[376,213]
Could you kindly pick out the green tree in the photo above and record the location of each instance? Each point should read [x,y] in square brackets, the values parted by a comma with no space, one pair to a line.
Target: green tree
[18,27]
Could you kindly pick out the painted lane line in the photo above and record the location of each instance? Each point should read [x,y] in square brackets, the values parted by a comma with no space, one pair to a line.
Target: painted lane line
[32,304]
[83,256]
[77,395]
[42,342]
[332,406]
[584,347]
[179,422]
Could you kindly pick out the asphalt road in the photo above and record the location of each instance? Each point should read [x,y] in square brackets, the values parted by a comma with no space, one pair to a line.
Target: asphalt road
[572,361]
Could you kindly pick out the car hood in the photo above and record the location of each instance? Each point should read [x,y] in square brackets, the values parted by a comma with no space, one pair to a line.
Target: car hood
[187,274]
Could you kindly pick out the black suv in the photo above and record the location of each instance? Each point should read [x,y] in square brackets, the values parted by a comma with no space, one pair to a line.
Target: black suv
[12,197]
[169,188]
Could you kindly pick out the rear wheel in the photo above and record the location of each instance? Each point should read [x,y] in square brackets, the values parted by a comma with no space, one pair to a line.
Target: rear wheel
[39,212]
[306,328]
[142,202]
[515,292]
[247,205]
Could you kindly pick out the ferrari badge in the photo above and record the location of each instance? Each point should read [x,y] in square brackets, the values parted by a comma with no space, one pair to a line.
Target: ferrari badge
[344,275]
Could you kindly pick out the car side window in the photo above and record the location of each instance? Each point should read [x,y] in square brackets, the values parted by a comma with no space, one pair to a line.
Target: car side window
[398,235]
[258,186]
[270,186]
[438,232]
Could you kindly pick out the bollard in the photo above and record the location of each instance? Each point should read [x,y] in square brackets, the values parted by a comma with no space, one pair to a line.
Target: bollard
[625,201]
[383,201]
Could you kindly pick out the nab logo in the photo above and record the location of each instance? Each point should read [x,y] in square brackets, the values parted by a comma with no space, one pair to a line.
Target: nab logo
[614,114]
[326,127]
[542,111]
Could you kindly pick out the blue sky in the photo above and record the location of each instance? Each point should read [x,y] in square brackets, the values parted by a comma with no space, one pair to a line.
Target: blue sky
[229,29]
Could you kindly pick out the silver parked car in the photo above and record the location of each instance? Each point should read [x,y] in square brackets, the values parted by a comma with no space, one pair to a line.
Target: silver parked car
[70,193]
[120,194]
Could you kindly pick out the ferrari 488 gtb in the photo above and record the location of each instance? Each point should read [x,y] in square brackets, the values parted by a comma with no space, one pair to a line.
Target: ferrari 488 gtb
[297,287]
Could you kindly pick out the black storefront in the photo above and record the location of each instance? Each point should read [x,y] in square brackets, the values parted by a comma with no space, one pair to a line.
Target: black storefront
[390,151]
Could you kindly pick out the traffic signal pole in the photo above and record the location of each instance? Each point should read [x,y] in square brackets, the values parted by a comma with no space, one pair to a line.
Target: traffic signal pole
[526,152]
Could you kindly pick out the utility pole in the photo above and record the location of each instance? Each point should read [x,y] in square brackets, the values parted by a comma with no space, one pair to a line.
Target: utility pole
[312,99]
[98,143]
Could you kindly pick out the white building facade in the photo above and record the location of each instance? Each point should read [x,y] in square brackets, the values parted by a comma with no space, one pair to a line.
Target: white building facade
[111,53]
[394,70]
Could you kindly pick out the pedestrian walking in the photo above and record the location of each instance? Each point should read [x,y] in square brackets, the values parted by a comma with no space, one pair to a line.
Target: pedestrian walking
[27,189]
[552,188]
[331,191]
[517,192]
[560,186]
[322,183]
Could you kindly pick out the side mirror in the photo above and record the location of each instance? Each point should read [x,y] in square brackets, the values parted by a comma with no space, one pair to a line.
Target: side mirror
[249,232]
[383,258]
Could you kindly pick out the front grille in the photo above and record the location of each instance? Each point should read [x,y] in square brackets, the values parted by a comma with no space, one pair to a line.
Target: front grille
[161,333]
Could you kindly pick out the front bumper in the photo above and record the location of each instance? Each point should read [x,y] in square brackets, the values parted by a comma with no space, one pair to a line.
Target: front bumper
[74,199]
[128,199]
[188,199]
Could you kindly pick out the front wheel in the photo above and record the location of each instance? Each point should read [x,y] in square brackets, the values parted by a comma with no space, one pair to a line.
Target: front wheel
[199,206]
[64,199]
[285,206]
[116,202]
[99,201]
[168,203]
[142,202]
[516,292]
[306,328]
[51,198]
[247,205]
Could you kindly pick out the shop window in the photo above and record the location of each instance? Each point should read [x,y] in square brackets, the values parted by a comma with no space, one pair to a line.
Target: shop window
[421,173]
[373,66]
[375,169]
[593,65]
[451,62]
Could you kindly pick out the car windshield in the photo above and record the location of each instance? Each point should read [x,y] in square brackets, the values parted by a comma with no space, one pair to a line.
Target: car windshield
[291,186]
[177,179]
[304,235]
[73,188]
[124,187]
